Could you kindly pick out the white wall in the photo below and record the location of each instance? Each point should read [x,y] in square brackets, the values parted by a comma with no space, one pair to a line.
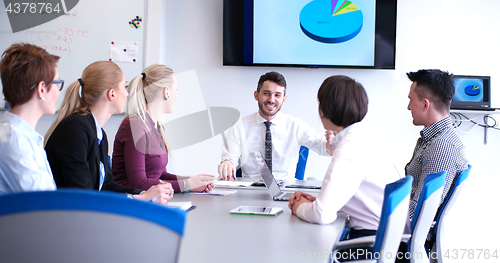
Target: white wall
[454,35]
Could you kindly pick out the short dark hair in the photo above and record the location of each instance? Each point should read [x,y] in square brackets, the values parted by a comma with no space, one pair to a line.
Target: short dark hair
[342,100]
[22,66]
[274,77]
[436,85]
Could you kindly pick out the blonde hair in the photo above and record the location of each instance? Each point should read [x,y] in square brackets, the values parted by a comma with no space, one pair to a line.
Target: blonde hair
[96,78]
[144,88]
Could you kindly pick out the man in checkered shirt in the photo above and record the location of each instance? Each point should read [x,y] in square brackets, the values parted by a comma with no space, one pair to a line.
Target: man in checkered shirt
[439,148]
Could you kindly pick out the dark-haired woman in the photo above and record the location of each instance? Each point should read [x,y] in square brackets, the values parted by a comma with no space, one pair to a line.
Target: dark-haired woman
[359,170]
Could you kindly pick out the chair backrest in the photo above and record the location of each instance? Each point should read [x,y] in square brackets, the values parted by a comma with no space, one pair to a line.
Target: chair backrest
[392,219]
[301,164]
[448,203]
[87,226]
[425,211]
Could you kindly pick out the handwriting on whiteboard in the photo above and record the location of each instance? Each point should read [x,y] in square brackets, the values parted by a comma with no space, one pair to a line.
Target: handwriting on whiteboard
[58,43]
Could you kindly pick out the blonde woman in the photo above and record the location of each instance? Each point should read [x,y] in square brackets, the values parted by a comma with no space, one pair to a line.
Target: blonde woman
[140,152]
[77,146]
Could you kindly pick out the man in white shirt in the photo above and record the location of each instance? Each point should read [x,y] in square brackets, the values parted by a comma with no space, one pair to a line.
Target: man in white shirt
[288,134]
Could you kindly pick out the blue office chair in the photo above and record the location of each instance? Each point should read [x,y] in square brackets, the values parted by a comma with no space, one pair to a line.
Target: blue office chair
[301,164]
[392,222]
[87,226]
[425,211]
[438,229]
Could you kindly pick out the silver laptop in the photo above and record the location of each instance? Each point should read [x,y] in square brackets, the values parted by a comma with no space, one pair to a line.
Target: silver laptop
[269,180]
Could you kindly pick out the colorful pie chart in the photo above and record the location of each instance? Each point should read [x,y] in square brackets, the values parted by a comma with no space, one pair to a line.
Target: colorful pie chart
[472,90]
[331,21]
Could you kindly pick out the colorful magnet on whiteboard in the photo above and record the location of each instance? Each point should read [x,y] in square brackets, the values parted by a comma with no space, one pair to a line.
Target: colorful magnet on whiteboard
[134,59]
[124,50]
[136,22]
[112,43]
[109,59]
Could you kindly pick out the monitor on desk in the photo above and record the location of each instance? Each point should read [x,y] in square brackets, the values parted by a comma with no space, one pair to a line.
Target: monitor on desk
[471,93]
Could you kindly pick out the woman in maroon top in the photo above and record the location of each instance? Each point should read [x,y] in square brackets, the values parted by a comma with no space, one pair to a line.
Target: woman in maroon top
[140,153]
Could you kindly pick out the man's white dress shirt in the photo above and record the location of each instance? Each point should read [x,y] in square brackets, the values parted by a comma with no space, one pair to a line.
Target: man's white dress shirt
[288,134]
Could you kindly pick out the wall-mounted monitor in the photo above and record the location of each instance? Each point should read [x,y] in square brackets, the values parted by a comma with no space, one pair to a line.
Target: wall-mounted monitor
[471,93]
[310,33]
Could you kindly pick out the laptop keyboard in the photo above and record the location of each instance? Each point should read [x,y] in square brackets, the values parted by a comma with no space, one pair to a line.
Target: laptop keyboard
[286,195]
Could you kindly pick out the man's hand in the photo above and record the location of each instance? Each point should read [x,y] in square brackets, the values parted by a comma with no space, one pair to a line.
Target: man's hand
[329,137]
[227,171]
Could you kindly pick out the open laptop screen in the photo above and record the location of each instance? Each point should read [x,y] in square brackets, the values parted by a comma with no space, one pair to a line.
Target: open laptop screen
[471,92]
[266,174]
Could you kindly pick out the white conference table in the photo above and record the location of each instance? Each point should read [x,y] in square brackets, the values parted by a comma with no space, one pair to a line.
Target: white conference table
[212,234]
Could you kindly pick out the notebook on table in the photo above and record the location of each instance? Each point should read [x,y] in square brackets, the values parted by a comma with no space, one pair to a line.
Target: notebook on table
[269,180]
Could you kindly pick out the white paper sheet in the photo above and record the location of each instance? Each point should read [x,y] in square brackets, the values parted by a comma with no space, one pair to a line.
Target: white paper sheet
[123,51]
[216,192]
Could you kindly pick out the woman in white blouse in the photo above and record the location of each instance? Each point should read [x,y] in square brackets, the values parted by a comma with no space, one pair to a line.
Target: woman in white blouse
[31,86]
[359,170]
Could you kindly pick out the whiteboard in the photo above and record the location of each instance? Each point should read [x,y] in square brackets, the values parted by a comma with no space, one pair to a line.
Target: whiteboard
[84,35]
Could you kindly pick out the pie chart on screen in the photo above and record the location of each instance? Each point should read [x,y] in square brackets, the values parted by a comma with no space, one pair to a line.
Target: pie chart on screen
[331,21]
